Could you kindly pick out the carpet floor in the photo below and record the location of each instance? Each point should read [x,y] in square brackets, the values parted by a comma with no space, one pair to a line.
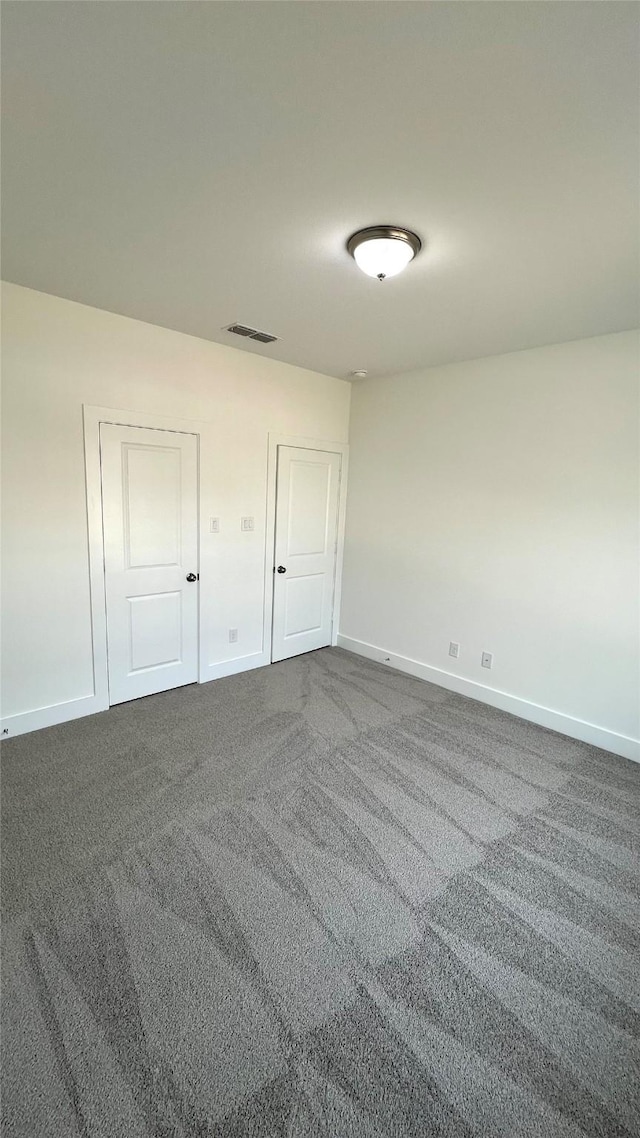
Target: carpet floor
[318,900]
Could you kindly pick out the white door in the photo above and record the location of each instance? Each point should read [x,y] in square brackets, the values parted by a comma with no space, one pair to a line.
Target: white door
[150,520]
[308,485]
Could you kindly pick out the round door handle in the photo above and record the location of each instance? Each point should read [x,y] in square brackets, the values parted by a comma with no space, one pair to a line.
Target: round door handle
[281,569]
[191,577]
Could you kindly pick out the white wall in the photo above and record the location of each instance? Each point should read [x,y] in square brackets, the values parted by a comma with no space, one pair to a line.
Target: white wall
[495,503]
[58,355]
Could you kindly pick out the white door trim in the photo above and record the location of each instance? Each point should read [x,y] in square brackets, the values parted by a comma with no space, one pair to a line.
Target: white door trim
[275,441]
[93,417]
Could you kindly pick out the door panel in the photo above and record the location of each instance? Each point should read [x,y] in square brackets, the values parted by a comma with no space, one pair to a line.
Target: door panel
[150,519]
[304,604]
[152,506]
[310,492]
[308,484]
[155,628]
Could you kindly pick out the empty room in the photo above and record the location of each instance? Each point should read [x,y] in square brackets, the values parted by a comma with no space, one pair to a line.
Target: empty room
[320,719]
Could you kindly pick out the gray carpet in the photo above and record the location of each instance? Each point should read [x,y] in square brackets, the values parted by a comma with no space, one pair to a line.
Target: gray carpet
[319,899]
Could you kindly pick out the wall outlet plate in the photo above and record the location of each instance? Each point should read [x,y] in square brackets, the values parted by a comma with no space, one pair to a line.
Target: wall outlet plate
[233,636]
[454,649]
[487,660]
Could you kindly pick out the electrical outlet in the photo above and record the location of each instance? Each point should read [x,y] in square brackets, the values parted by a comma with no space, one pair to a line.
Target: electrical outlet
[487,660]
[454,649]
[233,636]
[247,525]
[214,525]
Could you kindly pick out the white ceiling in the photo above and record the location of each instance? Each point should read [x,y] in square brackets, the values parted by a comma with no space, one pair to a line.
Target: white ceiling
[193,164]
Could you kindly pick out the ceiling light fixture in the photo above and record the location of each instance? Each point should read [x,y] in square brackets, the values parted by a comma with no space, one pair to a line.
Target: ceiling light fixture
[383,250]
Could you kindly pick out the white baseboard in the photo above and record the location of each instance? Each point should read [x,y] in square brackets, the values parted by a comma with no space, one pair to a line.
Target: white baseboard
[566,724]
[233,667]
[629,748]
[27,721]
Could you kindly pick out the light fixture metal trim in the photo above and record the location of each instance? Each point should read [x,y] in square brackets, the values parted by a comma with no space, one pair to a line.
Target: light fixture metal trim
[393,232]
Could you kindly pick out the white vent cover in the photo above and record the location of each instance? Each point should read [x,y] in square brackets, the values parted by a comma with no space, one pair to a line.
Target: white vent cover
[250,333]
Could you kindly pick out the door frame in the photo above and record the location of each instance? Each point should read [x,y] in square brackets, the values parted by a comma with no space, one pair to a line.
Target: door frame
[275,441]
[92,418]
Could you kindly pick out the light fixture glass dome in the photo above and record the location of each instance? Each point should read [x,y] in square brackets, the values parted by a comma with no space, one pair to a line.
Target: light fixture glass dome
[383,250]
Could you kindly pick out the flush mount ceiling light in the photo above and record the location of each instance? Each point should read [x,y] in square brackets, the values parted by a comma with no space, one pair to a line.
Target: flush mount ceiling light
[383,250]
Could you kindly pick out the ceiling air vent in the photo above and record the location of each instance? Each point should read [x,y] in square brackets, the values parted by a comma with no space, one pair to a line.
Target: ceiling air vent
[251,333]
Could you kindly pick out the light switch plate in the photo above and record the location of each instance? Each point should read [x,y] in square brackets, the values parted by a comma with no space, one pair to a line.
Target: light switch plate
[214,525]
[246,524]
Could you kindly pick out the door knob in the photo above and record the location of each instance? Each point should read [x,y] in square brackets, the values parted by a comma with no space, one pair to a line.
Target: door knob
[281,569]
[191,577]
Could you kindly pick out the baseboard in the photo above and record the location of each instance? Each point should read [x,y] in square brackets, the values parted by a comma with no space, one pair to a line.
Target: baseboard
[233,667]
[566,724]
[26,721]
[21,724]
